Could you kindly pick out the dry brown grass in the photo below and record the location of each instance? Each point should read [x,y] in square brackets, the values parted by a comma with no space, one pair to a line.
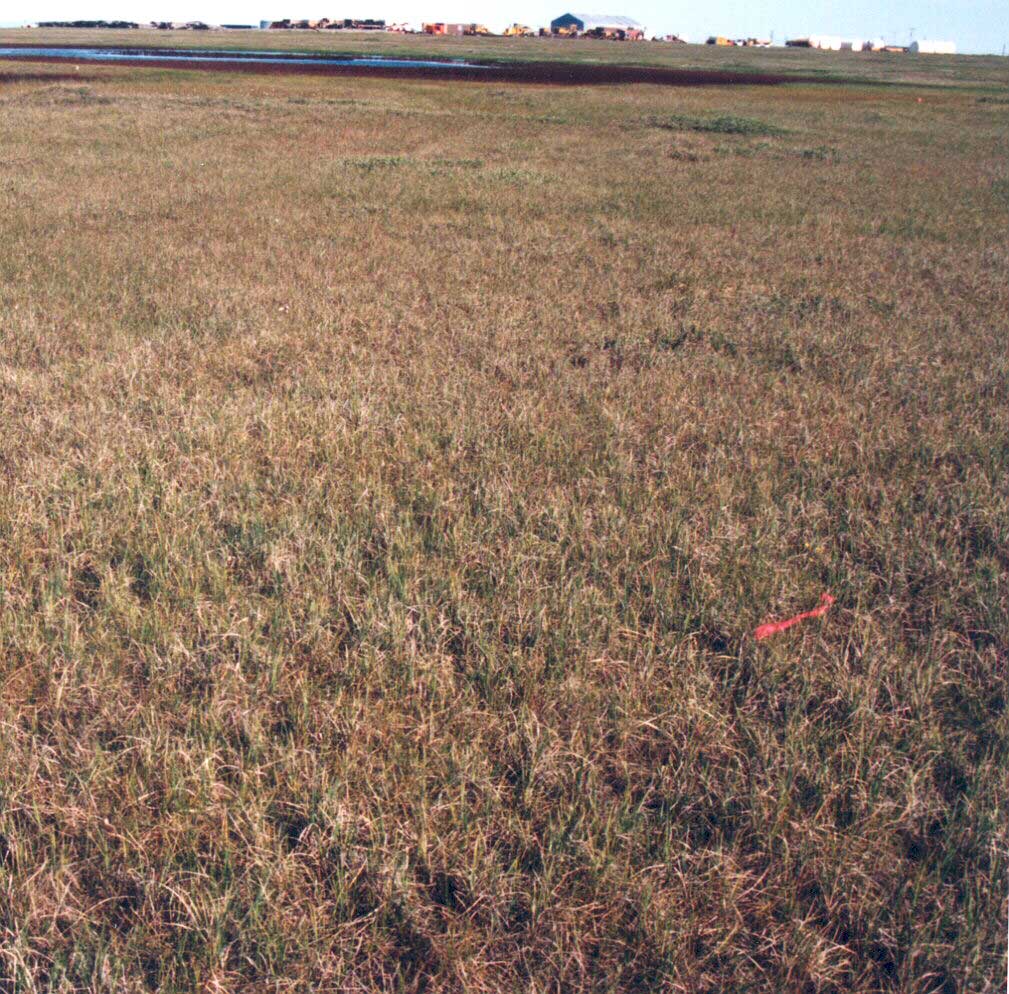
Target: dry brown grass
[392,474]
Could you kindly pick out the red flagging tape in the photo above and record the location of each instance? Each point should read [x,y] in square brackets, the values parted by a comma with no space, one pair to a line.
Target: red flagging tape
[773,627]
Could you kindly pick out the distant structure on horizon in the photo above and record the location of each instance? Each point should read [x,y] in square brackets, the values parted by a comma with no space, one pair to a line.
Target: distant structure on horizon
[454,30]
[608,27]
[597,25]
[933,47]
[834,43]
[722,42]
[828,43]
[324,24]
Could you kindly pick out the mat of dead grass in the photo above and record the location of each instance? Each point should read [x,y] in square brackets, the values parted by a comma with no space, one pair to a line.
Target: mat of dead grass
[392,476]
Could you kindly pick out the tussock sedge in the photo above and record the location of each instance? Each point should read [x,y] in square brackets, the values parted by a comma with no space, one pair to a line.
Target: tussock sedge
[388,502]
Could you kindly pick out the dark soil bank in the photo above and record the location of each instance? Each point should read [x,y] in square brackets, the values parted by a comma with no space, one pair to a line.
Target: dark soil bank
[42,77]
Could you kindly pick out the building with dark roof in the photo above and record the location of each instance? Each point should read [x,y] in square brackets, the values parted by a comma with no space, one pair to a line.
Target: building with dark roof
[604,25]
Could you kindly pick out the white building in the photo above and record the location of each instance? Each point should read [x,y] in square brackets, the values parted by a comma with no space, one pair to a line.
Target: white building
[834,43]
[933,47]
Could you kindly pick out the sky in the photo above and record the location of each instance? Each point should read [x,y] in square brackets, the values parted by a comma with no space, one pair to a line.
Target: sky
[975,25]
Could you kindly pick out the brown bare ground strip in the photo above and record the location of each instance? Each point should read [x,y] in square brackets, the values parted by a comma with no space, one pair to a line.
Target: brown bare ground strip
[43,77]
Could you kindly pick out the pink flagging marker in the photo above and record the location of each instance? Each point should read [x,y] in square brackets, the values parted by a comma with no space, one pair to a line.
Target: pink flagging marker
[773,627]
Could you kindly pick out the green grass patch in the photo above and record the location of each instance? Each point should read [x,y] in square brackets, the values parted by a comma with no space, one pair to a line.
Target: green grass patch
[371,163]
[721,124]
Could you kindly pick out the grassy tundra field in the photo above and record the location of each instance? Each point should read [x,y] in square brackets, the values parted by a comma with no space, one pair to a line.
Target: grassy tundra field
[393,474]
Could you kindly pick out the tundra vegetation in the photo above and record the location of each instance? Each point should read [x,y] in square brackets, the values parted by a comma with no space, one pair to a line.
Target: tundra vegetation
[393,474]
